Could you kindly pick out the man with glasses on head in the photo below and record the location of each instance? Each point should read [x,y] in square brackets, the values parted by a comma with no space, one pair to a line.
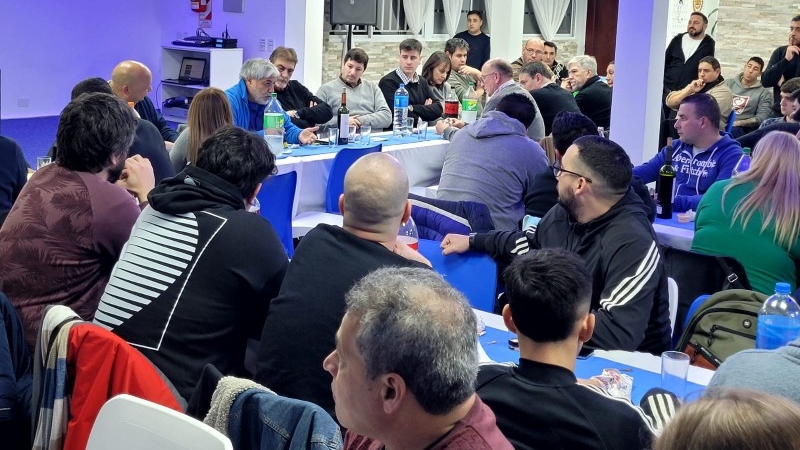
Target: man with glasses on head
[601,219]
[498,81]
[249,98]
[591,94]
[533,50]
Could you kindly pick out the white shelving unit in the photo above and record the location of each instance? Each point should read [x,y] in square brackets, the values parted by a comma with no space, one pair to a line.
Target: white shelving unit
[222,70]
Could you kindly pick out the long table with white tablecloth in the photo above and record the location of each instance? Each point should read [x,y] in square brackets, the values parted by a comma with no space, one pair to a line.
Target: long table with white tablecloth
[423,160]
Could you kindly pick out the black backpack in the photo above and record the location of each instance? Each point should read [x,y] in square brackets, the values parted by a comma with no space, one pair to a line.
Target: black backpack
[723,325]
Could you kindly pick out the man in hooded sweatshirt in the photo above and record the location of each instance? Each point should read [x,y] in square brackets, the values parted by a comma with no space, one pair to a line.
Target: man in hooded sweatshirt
[196,277]
[701,156]
[751,101]
[492,161]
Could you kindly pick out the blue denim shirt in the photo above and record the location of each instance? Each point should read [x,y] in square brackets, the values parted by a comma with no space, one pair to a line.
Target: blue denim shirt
[283,422]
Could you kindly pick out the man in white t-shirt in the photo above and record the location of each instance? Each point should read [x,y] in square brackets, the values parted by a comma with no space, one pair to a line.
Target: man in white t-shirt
[684,53]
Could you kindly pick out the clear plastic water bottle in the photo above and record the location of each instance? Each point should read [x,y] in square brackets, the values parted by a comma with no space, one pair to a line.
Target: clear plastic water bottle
[744,162]
[469,105]
[400,110]
[778,319]
[273,125]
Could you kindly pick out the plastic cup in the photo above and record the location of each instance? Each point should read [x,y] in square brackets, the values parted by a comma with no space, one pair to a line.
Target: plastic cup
[333,136]
[42,161]
[366,132]
[674,369]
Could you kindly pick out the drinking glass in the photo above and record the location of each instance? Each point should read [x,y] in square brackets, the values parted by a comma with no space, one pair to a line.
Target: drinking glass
[42,161]
[408,234]
[351,136]
[275,143]
[333,136]
[409,126]
[366,131]
[674,369]
[421,130]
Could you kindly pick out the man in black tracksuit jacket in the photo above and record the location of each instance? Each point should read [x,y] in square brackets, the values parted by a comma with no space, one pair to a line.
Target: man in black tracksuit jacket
[783,65]
[600,218]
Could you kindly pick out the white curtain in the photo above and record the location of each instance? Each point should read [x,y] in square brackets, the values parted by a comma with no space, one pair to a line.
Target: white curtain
[416,14]
[487,5]
[549,15]
[452,14]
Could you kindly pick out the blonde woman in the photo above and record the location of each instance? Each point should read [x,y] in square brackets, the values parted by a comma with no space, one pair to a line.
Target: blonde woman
[734,419]
[755,216]
[209,111]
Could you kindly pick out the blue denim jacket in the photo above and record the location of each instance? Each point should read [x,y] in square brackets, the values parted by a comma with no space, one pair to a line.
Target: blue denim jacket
[284,423]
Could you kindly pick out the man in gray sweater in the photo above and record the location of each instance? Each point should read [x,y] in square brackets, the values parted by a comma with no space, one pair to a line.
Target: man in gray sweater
[364,98]
[772,371]
[498,81]
[492,161]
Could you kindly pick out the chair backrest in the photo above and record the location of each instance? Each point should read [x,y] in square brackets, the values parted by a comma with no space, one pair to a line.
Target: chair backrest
[472,273]
[277,200]
[672,288]
[129,423]
[436,218]
[729,125]
[697,274]
[343,160]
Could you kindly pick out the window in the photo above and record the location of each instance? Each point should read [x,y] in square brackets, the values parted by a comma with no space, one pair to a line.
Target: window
[529,26]
[392,20]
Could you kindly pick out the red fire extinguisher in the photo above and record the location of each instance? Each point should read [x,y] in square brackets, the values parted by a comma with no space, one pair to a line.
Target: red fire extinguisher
[199,5]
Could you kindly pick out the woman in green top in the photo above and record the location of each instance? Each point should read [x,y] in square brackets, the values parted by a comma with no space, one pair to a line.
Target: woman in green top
[755,216]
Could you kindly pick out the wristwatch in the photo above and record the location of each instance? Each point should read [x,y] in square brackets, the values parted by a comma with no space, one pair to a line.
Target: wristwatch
[411,108]
[472,240]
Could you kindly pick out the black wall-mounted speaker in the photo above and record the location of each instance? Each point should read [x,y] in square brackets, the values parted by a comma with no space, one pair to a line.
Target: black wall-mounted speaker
[354,12]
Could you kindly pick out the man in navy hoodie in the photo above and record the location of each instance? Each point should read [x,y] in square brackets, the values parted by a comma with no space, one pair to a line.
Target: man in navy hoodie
[701,156]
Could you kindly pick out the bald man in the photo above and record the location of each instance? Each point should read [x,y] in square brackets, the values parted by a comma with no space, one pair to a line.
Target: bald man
[533,50]
[302,321]
[131,82]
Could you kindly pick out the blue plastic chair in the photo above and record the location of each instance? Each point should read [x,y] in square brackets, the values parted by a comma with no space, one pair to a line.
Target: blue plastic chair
[343,160]
[277,200]
[729,125]
[472,273]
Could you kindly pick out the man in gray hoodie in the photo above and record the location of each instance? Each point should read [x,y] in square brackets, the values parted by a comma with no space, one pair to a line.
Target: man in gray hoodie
[492,161]
[751,101]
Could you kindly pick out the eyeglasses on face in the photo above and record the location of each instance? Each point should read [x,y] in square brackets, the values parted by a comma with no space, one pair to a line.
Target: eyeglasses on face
[483,77]
[534,51]
[558,170]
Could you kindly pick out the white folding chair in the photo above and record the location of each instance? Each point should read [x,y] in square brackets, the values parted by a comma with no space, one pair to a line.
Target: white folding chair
[672,288]
[129,423]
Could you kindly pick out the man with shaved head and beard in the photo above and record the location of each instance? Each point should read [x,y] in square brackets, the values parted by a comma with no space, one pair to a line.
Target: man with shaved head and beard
[301,323]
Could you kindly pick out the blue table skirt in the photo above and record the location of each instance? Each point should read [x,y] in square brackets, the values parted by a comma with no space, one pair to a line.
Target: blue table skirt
[495,342]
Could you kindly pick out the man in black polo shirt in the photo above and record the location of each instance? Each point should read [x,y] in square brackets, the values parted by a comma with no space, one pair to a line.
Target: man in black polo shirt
[540,404]
[420,97]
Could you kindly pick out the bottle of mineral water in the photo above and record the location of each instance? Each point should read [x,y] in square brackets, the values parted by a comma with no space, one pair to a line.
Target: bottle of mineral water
[273,125]
[469,105]
[400,111]
[778,319]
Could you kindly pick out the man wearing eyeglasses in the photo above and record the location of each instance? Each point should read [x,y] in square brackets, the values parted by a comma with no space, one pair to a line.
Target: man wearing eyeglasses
[601,219]
[533,50]
[498,81]
[249,98]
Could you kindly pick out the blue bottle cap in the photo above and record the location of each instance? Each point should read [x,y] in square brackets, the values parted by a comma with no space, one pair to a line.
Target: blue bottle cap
[783,288]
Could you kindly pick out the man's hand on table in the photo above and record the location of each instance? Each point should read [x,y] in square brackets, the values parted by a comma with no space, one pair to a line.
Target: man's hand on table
[455,243]
[308,135]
